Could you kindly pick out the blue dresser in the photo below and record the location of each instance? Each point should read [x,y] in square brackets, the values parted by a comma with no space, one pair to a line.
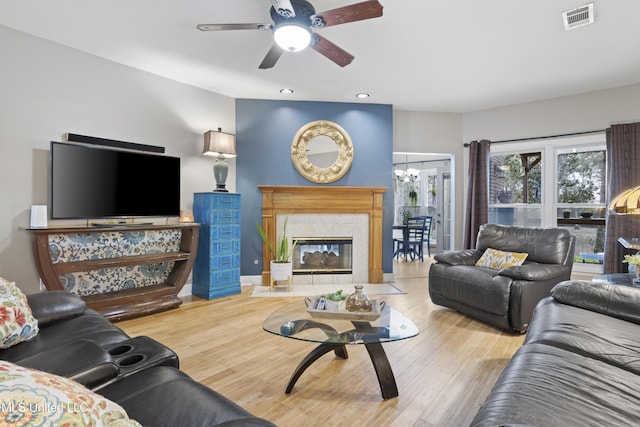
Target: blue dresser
[216,271]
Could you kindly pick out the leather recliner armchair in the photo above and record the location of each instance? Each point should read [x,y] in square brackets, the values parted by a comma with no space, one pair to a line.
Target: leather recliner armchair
[503,298]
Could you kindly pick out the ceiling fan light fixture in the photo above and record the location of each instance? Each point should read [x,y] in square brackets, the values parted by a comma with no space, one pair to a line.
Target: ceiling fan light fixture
[292,37]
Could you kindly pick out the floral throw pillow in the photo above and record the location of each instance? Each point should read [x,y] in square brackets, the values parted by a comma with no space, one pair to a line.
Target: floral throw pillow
[35,398]
[17,324]
[493,258]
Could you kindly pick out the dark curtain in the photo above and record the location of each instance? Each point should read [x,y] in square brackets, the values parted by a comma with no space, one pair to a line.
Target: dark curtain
[477,198]
[623,172]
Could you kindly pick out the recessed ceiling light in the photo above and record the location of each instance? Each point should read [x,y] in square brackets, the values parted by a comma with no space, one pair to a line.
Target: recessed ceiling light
[286,91]
[362,95]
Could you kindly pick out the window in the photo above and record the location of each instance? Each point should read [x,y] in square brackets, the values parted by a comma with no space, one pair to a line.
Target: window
[561,183]
[581,177]
[515,190]
[581,197]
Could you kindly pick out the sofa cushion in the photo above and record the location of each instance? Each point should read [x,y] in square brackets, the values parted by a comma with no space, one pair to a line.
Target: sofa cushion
[472,286]
[16,322]
[549,386]
[609,339]
[613,300]
[55,306]
[461,257]
[91,325]
[545,245]
[164,396]
[497,259]
[32,397]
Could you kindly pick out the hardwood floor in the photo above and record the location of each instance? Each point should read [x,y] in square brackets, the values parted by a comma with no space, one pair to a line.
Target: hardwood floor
[443,374]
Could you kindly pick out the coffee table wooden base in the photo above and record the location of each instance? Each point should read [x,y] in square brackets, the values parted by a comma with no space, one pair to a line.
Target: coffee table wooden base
[387,381]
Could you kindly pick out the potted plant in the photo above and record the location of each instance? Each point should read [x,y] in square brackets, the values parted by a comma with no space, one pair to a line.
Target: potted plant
[413,196]
[281,266]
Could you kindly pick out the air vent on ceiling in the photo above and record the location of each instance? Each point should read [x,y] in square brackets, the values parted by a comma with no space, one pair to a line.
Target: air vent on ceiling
[578,17]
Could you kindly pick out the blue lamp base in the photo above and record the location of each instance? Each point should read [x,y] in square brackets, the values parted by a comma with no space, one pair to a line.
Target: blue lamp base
[220,172]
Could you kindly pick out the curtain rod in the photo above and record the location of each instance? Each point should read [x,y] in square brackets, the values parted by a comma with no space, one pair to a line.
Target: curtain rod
[420,162]
[466,144]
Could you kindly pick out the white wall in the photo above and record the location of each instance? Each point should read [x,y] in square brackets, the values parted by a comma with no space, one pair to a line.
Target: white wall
[578,113]
[441,133]
[47,90]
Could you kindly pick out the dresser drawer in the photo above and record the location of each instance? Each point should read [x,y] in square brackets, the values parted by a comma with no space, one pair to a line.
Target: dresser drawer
[222,277]
[225,261]
[225,246]
[226,201]
[223,216]
[225,231]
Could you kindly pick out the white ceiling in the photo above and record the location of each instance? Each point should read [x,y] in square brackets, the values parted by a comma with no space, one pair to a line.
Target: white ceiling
[441,56]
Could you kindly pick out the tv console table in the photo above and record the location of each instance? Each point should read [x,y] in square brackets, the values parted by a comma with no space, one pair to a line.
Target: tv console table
[120,271]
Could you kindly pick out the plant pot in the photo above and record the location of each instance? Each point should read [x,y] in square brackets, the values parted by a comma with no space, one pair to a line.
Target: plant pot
[281,270]
[566,214]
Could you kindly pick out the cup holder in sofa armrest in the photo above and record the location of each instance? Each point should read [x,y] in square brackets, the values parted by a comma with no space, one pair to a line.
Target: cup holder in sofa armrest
[134,359]
[140,353]
[120,349]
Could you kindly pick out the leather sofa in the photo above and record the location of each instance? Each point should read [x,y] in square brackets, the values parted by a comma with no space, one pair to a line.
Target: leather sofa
[579,364]
[506,297]
[139,374]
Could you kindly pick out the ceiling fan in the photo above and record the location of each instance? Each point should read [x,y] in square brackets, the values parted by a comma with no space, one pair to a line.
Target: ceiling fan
[293,21]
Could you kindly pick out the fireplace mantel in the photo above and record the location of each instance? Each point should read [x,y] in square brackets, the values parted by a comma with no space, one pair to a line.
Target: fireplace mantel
[283,200]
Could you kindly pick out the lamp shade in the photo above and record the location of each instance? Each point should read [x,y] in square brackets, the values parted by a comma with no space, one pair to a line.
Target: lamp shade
[292,36]
[627,202]
[218,143]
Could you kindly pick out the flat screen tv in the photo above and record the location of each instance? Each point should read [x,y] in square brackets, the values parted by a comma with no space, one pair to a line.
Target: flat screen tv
[88,182]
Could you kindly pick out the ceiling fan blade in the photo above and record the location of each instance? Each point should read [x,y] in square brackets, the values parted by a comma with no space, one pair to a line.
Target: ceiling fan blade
[271,58]
[355,12]
[331,51]
[224,27]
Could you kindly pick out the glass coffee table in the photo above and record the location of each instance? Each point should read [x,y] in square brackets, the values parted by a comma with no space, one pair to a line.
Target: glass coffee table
[334,334]
[625,279]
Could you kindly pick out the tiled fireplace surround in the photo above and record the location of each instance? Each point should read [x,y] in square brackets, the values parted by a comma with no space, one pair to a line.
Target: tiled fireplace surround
[331,211]
[355,226]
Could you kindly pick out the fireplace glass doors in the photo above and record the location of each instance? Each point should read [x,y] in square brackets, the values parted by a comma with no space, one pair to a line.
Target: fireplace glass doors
[323,256]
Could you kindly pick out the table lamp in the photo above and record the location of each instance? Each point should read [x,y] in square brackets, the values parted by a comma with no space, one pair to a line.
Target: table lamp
[222,145]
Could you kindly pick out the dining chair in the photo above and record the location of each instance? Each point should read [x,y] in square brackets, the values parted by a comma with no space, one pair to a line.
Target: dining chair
[426,237]
[413,238]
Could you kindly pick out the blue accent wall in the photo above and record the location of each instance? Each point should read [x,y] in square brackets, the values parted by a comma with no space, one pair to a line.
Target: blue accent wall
[264,134]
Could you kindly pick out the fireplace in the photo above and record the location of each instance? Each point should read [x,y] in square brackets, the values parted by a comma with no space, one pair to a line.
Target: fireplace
[319,255]
[328,211]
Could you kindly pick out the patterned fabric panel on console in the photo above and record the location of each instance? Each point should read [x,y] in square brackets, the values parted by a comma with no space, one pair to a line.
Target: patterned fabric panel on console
[87,246]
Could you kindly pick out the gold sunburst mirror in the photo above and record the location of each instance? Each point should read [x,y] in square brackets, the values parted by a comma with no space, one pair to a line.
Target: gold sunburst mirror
[322,151]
